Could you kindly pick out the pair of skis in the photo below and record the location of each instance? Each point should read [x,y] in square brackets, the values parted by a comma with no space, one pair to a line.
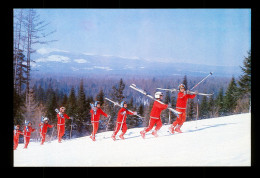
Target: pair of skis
[191,92]
[117,104]
[133,86]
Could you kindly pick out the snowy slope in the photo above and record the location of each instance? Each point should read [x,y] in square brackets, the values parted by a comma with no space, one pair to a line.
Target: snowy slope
[223,141]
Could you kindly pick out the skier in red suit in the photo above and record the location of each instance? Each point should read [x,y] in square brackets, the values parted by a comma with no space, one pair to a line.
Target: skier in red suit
[121,120]
[17,133]
[96,111]
[43,129]
[155,115]
[27,133]
[61,123]
[181,105]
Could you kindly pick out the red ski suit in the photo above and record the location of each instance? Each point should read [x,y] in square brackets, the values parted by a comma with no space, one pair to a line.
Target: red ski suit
[43,130]
[155,116]
[27,135]
[181,107]
[61,125]
[16,138]
[121,121]
[95,119]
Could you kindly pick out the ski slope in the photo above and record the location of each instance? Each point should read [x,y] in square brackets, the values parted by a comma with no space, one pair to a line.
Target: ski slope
[223,141]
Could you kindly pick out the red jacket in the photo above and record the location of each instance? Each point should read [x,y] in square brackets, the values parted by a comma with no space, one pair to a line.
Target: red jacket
[157,109]
[61,121]
[182,100]
[122,115]
[27,131]
[43,127]
[17,134]
[95,116]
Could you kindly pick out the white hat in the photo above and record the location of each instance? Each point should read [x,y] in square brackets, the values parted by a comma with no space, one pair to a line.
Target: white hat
[158,94]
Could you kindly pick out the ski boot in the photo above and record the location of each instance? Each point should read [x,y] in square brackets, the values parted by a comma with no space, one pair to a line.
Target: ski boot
[93,138]
[178,130]
[171,129]
[142,134]
[113,137]
[121,136]
[154,133]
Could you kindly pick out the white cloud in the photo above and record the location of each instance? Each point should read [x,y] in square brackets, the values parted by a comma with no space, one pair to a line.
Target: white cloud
[101,67]
[87,68]
[81,61]
[49,50]
[54,58]
[74,68]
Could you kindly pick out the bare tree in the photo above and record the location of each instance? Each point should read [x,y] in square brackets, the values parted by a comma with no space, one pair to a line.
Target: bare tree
[29,30]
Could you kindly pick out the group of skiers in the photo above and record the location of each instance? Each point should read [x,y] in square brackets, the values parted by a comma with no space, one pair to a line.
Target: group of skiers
[96,111]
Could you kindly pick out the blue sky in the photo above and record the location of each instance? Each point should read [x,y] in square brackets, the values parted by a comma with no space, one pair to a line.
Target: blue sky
[201,36]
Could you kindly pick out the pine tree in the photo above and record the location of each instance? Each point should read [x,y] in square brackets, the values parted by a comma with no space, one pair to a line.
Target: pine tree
[245,79]
[220,102]
[212,107]
[203,110]
[81,109]
[192,110]
[100,97]
[19,71]
[18,102]
[231,96]
[117,96]
[51,106]
[244,101]
[65,101]
[185,82]
[117,93]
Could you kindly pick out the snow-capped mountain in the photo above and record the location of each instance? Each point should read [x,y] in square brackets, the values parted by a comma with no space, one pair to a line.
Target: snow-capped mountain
[64,62]
[222,141]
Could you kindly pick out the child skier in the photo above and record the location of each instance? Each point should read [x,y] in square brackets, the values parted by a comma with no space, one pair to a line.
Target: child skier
[17,133]
[27,133]
[155,116]
[181,105]
[43,129]
[95,115]
[61,123]
[121,120]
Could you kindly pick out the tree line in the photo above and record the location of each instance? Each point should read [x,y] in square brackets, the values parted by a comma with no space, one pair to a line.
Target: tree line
[42,102]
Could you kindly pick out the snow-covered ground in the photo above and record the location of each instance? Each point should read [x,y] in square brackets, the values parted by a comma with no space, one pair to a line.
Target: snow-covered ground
[223,141]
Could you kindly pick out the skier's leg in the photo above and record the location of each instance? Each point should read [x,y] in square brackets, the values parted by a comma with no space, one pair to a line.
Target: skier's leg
[182,120]
[124,129]
[147,129]
[27,139]
[151,124]
[15,144]
[158,124]
[118,126]
[43,138]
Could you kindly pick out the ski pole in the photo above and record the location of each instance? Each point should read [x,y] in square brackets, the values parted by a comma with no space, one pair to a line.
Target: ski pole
[169,117]
[71,126]
[197,112]
[201,81]
[52,132]
[108,122]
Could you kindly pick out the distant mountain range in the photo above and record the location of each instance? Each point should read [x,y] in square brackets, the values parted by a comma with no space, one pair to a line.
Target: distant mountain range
[80,64]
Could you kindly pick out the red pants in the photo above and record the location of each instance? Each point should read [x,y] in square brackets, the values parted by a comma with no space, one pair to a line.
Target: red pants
[181,119]
[152,122]
[95,127]
[16,141]
[120,126]
[61,131]
[26,141]
[43,135]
